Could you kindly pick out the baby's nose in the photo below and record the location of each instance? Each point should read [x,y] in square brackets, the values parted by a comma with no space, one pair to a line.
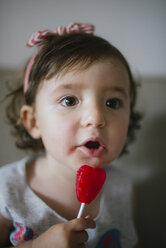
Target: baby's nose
[93,115]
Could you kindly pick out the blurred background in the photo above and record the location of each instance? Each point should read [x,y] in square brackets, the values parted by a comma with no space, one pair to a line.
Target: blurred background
[137,29]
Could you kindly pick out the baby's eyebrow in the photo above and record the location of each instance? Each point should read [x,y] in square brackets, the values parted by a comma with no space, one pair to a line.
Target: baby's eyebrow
[63,87]
[123,90]
[66,86]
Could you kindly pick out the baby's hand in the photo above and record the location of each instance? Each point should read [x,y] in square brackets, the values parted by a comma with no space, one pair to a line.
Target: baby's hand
[71,234]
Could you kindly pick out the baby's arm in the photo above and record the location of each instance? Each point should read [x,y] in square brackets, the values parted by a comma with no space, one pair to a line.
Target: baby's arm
[70,234]
[5,226]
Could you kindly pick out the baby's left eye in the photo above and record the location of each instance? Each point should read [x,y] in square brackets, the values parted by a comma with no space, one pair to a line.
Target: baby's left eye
[69,101]
[114,103]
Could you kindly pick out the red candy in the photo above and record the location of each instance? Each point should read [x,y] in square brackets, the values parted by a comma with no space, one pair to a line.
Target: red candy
[89,182]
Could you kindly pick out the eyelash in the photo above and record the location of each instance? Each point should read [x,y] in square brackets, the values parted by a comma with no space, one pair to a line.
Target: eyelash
[68,98]
[113,103]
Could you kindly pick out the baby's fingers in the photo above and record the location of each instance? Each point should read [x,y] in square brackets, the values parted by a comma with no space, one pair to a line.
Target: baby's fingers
[82,237]
[82,224]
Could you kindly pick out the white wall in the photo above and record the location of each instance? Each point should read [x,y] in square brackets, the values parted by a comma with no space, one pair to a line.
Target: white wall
[137,27]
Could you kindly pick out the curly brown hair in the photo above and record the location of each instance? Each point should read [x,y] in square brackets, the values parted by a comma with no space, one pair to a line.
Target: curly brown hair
[59,54]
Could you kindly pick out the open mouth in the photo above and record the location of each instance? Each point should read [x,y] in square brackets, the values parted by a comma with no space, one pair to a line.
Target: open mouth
[92,145]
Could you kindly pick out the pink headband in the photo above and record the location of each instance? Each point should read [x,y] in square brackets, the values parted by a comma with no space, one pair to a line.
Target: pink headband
[39,36]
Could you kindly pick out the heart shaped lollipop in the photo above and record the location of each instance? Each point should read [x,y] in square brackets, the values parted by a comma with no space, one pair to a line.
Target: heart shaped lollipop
[89,182]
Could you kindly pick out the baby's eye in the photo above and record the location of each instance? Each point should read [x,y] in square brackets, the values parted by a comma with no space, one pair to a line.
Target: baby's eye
[114,103]
[69,101]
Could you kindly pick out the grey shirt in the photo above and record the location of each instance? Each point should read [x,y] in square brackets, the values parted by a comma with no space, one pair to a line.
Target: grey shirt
[31,216]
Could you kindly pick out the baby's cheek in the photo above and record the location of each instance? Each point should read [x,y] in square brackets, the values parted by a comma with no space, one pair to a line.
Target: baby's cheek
[118,140]
[66,134]
[122,139]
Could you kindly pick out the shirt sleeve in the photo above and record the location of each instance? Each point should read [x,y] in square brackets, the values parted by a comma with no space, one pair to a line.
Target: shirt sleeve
[4,194]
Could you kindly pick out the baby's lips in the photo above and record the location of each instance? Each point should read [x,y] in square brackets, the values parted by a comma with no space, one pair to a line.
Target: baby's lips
[92,147]
[95,140]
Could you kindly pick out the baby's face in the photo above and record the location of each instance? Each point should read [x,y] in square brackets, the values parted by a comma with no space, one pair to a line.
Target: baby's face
[83,115]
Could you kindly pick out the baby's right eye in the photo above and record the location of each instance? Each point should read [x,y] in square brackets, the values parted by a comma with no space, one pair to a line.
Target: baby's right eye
[69,101]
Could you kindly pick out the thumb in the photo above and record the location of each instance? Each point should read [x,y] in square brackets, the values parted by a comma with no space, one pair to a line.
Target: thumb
[82,224]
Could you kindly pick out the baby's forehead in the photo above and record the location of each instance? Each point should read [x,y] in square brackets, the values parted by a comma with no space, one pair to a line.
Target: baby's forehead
[113,63]
[102,74]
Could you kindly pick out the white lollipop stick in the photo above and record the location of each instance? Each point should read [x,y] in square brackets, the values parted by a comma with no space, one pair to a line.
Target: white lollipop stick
[81,210]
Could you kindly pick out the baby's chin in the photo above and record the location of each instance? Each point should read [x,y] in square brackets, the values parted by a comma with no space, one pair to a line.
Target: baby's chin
[94,164]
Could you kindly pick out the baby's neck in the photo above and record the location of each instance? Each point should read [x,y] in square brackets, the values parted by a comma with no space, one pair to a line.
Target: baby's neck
[56,187]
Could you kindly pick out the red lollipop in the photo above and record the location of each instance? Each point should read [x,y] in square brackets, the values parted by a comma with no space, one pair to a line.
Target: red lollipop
[89,182]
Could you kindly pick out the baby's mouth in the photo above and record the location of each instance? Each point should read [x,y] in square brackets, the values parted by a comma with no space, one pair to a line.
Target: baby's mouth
[92,145]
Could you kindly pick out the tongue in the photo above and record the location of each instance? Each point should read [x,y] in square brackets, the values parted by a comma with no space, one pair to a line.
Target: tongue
[89,182]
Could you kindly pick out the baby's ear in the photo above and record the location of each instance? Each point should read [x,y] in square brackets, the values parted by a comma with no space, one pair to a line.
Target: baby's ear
[29,121]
